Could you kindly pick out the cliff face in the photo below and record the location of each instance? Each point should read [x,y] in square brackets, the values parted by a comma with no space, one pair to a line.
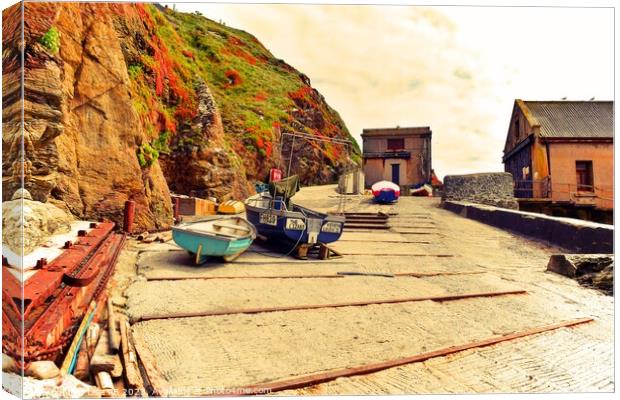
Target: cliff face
[129,101]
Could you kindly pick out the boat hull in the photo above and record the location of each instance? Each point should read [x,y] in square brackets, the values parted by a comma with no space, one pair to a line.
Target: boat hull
[386,196]
[385,192]
[422,191]
[300,226]
[205,245]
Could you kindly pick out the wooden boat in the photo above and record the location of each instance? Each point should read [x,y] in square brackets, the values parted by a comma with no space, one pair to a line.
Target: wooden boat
[231,207]
[424,190]
[385,192]
[216,236]
[280,220]
[297,226]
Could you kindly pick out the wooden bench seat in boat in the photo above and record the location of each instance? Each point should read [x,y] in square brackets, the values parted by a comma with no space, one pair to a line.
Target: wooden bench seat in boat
[236,227]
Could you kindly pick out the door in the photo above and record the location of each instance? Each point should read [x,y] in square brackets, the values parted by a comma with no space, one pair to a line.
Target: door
[396,173]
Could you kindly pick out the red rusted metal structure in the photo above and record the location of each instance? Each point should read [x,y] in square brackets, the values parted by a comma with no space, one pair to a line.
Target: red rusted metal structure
[56,297]
[130,208]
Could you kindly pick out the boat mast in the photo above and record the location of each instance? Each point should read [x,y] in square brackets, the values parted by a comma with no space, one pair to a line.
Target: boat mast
[345,142]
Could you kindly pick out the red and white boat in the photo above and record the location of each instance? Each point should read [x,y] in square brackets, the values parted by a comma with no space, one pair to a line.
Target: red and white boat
[385,192]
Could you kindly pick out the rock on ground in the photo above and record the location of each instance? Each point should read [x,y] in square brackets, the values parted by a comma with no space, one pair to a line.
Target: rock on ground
[40,221]
[67,387]
[595,270]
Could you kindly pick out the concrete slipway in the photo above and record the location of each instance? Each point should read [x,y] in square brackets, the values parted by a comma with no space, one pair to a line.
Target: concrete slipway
[449,254]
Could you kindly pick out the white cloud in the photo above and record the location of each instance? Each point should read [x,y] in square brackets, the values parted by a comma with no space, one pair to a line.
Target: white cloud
[456,69]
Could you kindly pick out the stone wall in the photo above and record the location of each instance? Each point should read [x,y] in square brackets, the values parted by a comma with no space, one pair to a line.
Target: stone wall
[493,188]
[573,235]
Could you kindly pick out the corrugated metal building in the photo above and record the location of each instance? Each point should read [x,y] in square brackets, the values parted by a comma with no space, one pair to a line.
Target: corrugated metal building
[562,151]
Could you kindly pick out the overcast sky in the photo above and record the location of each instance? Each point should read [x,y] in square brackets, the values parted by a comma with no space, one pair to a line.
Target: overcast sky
[455,69]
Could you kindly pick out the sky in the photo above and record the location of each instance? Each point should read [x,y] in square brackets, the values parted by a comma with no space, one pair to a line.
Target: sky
[456,69]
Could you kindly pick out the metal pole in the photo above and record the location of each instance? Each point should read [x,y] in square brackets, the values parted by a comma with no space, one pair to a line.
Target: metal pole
[290,158]
[130,207]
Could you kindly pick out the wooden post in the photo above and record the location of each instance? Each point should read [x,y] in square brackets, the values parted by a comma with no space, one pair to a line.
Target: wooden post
[82,363]
[103,361]
[130,359]
[113,339]
[323,252]
[302,251]
[92,337]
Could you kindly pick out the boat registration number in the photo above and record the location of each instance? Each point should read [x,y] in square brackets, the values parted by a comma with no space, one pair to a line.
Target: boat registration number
[331,227]
[295,224]
[268,219]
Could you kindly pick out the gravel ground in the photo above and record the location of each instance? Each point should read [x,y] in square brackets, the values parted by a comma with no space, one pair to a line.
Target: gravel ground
[235,350]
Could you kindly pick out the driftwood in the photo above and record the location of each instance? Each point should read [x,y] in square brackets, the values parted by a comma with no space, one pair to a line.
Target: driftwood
[82,364]
[102,361]
[165,237]
[113,339]
[141,236]
[156,382]
[149,239]
[92,337]
[132,373]
[105,384]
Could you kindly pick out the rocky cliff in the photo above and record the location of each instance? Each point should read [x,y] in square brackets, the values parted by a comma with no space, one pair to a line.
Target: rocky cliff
[132,101]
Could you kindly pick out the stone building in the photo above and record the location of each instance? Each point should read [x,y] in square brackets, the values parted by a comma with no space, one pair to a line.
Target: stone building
[562,152]
[399,155]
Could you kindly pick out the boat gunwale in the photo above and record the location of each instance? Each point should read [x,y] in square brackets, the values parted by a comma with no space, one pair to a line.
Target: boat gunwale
[215,235]
[296,214]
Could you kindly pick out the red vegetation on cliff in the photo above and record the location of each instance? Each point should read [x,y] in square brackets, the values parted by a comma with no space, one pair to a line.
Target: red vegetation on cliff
[261,96]
[301,94]
[234,78]
[235,41]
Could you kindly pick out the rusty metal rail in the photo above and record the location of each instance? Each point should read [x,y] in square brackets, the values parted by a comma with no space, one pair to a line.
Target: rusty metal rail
[56,297]
[150,317]
[315,276]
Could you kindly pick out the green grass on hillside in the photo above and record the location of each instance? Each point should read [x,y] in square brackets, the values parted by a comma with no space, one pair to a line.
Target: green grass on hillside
[254,91]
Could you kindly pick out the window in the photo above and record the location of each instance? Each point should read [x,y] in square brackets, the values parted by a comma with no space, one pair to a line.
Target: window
[396,144]
[585,180]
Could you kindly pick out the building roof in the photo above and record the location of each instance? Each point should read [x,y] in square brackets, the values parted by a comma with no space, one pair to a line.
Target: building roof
[571,119]
[398,131]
